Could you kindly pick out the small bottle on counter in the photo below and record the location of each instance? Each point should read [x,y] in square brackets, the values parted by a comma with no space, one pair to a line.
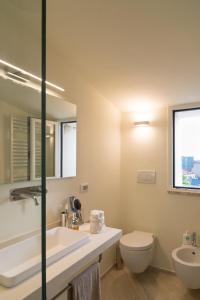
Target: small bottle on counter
[63,219]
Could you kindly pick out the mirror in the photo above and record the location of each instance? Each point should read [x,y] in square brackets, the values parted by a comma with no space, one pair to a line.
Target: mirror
[20,130]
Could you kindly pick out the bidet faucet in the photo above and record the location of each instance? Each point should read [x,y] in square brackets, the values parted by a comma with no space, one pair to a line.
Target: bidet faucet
[194,239]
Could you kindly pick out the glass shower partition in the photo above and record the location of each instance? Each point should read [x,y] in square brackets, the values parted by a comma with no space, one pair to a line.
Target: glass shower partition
[21,70]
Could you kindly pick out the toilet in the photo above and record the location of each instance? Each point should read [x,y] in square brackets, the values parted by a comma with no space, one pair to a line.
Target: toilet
[137,250]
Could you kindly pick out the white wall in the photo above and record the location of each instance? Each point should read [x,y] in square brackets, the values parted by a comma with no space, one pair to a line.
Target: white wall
[150,207]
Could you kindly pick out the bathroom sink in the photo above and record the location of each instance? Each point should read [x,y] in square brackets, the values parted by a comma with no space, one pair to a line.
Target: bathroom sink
[23,259]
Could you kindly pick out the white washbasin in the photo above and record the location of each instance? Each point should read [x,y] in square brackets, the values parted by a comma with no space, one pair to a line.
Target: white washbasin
[23,259]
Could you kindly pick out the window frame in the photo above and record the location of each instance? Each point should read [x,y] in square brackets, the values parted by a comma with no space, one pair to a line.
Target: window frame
[171,148]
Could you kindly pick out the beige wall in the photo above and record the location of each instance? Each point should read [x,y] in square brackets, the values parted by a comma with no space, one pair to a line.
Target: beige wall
[142,207]
[98,160]
[150,207]
[98,155]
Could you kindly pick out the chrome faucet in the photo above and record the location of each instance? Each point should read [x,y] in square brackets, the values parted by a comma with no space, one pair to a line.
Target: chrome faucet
[74,206]
[32,192]
[194,239]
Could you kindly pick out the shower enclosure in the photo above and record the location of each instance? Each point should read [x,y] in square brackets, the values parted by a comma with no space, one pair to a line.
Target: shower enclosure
[22,99]
[38,128]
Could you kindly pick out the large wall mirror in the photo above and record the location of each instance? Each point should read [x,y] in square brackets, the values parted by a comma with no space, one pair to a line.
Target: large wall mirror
[20,130]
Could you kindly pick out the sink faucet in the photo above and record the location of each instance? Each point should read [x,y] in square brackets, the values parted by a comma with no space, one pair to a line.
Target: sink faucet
[74,206]
[194,239]
[32,192]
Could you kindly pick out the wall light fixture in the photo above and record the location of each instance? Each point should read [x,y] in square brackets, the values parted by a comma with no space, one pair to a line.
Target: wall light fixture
[141,123]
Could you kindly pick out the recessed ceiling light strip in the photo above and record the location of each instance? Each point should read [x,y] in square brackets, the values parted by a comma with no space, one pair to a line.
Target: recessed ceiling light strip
[30,75]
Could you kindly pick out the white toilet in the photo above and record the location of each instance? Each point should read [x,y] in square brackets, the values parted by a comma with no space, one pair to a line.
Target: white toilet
[137,250]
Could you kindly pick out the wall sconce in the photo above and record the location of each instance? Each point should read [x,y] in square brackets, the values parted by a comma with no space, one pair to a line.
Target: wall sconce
[141,124]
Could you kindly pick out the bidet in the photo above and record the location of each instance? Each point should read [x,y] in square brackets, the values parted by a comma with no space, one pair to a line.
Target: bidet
[186,260]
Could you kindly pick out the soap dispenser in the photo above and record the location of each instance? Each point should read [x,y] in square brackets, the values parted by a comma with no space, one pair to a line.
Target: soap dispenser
[187,238]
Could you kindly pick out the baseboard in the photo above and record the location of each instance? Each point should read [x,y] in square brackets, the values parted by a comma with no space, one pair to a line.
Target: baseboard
[107,270]
[170,271]
[163,269]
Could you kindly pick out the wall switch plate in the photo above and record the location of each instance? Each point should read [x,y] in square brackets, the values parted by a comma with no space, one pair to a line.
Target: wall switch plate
[83,187]
[146,176]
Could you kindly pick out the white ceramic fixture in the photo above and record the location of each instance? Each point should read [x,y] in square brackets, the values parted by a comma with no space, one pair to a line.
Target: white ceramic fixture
[186,260]
[23,259]
[137,250]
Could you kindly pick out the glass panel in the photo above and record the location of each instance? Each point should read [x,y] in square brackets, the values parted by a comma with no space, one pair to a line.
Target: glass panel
[187,148]
[20,101]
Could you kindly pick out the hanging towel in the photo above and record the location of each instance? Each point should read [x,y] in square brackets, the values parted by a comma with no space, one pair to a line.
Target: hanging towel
[86,286]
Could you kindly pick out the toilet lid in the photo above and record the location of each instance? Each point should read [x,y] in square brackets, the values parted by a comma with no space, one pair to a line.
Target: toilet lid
[137,240]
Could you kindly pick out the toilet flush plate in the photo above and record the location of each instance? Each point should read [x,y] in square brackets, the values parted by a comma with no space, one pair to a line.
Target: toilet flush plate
[146,176]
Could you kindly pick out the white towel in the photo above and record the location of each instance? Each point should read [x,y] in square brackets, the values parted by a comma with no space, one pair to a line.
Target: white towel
[86,286]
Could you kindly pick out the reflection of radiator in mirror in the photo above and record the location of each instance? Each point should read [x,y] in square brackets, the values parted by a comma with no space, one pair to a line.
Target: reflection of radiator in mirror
[20,149]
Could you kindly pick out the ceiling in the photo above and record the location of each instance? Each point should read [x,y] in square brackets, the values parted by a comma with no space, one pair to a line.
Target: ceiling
[136,53]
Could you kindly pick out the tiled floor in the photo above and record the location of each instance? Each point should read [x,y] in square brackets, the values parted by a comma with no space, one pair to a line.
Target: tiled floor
[151,285]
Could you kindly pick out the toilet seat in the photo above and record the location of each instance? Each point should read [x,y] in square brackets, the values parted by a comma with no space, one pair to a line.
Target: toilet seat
[137,240]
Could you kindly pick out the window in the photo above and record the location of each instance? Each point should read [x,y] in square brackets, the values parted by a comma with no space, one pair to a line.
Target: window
[186,148]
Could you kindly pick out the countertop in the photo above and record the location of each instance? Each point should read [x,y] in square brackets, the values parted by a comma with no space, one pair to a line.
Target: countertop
[62,271]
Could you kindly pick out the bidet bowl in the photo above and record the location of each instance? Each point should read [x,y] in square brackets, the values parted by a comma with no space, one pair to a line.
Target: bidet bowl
[186,260]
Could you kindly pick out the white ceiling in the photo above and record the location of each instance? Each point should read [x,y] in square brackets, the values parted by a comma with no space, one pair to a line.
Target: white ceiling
[135,52]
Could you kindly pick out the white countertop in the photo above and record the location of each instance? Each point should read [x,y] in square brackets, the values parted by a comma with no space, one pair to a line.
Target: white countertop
[61,272]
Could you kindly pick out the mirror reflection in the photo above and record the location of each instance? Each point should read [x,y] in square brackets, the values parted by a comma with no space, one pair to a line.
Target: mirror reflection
[20,130]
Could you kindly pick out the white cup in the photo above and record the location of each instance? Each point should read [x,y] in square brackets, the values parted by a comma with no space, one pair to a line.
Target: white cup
[97,222]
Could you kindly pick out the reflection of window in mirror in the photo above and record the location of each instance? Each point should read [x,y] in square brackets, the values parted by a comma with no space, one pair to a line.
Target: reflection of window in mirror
[68,149]
[52,139]
[60,149]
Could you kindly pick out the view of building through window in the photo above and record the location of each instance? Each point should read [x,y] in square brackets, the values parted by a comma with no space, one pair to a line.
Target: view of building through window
[187,148]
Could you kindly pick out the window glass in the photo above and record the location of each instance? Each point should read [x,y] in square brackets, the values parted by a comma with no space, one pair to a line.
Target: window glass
[186,162]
